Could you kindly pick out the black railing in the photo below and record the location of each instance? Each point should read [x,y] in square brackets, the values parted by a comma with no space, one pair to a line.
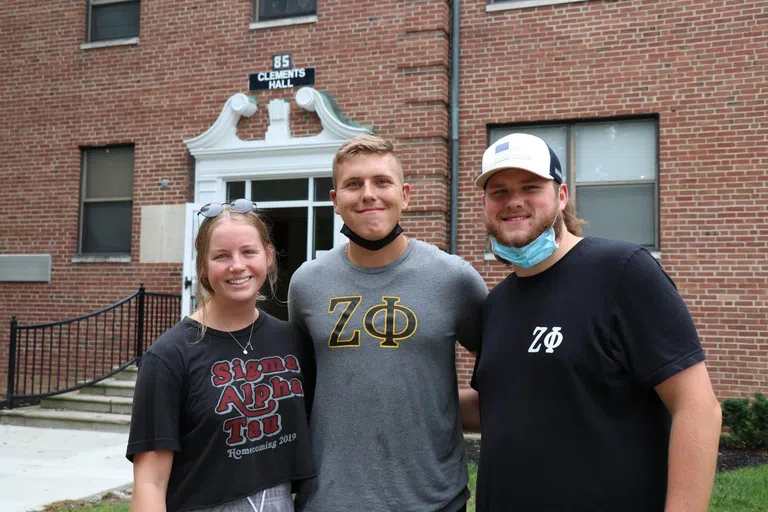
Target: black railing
[49,359]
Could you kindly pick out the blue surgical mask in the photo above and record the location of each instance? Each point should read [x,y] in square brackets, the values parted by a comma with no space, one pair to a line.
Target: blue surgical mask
[529,255]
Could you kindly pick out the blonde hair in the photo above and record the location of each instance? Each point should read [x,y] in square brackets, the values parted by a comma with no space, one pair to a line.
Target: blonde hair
[365,145]
[203,290]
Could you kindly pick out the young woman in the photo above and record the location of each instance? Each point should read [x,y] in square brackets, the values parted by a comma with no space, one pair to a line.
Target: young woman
[219,413]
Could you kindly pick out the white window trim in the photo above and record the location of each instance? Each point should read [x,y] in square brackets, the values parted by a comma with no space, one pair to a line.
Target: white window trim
[506,6]
[102,259]
[299,20]
[112,42]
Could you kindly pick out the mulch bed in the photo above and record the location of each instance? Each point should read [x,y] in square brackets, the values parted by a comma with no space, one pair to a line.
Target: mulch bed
[727,458]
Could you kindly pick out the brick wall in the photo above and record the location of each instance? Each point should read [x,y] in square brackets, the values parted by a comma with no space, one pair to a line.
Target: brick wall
[699,65]
[386,65]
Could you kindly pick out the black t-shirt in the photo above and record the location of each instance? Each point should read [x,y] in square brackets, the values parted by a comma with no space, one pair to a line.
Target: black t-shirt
[566,374]
[237,423]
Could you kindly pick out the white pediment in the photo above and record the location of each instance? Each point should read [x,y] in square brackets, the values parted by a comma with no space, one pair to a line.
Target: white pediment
[221,156]
[221,138]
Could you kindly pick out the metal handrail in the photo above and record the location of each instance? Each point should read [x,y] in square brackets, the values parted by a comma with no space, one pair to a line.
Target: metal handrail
[83,317]
[86,349]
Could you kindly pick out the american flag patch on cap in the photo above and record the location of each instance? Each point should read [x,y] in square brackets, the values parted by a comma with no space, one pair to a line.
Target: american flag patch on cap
[502,152]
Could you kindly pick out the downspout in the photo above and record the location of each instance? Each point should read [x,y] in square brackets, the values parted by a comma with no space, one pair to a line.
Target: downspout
[454,125]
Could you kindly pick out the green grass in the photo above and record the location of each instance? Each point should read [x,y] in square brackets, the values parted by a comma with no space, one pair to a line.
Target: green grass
[744,490]
[108,503]
[79,506]
[741,490]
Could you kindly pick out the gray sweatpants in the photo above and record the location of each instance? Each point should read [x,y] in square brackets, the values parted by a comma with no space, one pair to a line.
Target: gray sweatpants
[275,499]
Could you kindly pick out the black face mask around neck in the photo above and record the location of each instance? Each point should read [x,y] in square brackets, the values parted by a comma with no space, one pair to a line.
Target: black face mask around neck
[372,245]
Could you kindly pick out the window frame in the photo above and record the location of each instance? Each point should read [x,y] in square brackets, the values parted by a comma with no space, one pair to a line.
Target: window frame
[98,256]
[505,5]
[309,201]
[570,158]
[89,23]
[288,20]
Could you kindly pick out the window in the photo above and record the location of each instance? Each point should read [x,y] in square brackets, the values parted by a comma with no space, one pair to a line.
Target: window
[107,200]
[112,19]
[611,169]
[270,10]
[501,5]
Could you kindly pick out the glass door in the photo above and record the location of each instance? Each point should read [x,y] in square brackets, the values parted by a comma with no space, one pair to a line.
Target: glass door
[302,222]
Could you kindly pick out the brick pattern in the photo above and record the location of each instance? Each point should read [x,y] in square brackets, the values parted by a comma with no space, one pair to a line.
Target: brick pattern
[698,64]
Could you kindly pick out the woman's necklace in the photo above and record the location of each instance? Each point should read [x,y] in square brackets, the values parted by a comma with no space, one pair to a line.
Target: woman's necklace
[247,345]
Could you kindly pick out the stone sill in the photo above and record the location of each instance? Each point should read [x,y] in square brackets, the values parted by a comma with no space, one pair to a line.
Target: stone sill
[523,4]
[301,20]
[113,42]
[117,258]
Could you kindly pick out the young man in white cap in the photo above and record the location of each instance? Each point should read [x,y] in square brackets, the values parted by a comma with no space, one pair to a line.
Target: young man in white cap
[590,388]
[384,313]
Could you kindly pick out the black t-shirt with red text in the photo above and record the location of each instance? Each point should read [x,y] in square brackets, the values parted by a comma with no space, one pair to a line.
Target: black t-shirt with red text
[237,423]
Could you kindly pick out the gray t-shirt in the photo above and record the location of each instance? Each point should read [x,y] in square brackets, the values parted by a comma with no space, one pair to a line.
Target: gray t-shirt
[386,433]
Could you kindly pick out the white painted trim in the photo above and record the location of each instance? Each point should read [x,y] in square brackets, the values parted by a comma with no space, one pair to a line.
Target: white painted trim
[299,20]
[221,156]
[223,132]
[112,42]
[506,6]
[102,259]
[309,99]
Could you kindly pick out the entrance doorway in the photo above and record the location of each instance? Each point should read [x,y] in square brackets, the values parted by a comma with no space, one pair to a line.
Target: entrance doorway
[301,221]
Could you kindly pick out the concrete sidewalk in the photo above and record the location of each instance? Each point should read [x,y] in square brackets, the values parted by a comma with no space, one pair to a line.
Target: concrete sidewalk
[39,466]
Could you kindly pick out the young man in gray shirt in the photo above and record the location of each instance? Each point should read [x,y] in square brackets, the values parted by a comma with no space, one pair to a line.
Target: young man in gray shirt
[384,313]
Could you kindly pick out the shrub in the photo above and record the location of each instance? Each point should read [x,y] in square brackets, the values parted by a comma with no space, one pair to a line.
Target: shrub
[748,422]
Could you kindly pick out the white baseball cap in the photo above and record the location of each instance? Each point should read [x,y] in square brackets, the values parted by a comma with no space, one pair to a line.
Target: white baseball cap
[520,151]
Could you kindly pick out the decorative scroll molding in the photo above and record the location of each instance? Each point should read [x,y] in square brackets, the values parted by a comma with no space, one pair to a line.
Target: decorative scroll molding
[221,140]
[223,132]
[330,117]
[221,156]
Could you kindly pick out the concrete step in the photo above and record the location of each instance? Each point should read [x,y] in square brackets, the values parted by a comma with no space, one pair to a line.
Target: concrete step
[128,373]
[75,420]
[110,387]
[75,401]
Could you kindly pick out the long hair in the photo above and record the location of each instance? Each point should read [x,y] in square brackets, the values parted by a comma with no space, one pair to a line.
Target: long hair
[204,293]
[568,217]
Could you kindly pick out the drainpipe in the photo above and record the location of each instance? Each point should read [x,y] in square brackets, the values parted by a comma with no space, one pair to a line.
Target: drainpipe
[454,125]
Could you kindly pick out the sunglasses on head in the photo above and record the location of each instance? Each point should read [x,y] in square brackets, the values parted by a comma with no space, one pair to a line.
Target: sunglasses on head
[211,210]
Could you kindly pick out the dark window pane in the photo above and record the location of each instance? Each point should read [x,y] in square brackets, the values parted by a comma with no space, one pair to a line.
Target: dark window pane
[277,9]
[323,229]
[279,190]
[235,190]
[107,227]
[621,212]
[322,188]
[114,21]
